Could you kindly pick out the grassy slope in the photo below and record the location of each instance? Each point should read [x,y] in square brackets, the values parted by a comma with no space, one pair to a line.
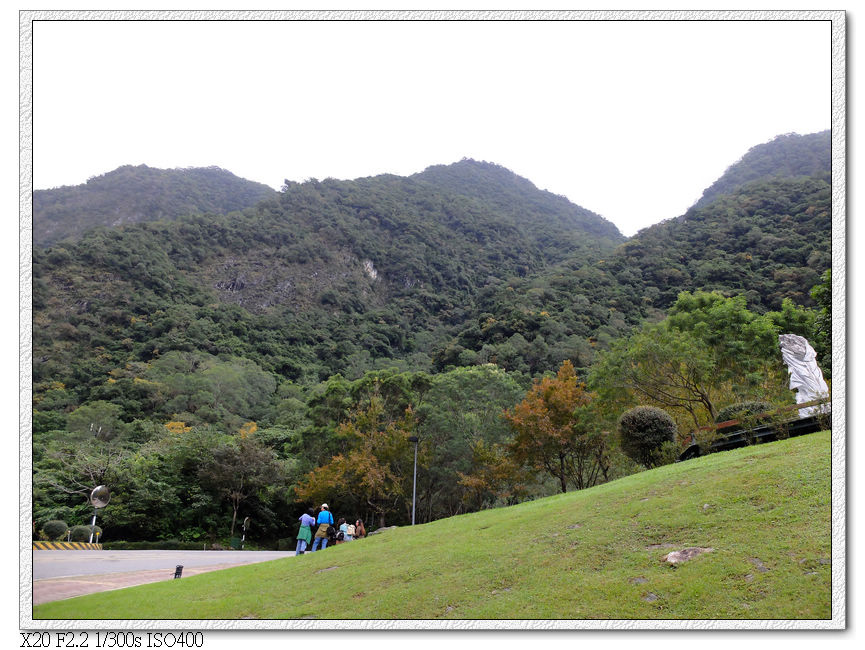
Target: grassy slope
[764,510]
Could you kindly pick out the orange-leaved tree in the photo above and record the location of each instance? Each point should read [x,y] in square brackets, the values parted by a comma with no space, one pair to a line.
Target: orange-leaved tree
[376,470]
[495,477]
[553,431]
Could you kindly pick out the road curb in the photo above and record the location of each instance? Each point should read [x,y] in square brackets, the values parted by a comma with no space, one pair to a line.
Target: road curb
[66,546]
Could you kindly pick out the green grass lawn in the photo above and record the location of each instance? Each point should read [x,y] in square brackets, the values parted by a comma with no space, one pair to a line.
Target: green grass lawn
[593,554]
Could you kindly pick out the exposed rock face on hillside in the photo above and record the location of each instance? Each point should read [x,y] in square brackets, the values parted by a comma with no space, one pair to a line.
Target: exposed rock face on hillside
[273,279]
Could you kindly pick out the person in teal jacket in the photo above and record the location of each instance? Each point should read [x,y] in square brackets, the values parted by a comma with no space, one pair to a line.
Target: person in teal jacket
[325,520]
[304,535]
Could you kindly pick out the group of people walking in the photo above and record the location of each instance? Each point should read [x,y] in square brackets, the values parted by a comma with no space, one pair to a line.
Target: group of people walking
[319,531]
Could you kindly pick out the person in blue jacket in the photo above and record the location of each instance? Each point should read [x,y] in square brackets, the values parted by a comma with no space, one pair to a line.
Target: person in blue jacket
[324,521]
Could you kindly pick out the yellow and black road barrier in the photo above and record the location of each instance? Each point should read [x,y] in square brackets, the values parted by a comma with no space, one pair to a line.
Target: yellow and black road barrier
[66,546]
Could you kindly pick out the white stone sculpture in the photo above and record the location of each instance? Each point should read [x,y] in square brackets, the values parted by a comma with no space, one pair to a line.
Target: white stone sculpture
[806,377]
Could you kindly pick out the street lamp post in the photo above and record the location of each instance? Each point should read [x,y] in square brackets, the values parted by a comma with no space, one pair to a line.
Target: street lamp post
[414,439]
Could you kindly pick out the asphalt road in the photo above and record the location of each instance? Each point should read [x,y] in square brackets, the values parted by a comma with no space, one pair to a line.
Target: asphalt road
[64,574]
[61,564]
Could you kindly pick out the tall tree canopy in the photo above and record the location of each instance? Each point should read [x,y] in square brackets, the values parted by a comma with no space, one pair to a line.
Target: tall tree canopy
[376,471]
[710,351]
[552,435]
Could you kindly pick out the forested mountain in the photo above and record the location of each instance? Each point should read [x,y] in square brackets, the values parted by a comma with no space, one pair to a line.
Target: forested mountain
[758,241]
[762,230]
[327,277]
[458,265]
[512,195]
[131,194]
[294,329]
[788,155]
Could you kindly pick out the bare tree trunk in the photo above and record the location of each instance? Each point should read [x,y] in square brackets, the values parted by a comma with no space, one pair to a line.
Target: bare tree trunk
[562,477]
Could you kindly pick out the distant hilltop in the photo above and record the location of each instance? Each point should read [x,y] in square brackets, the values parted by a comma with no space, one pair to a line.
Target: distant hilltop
[134,194]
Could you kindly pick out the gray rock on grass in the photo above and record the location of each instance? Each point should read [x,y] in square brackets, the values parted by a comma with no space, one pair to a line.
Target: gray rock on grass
[677,557]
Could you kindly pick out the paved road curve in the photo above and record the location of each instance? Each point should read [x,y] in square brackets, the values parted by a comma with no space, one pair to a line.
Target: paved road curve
[64,574]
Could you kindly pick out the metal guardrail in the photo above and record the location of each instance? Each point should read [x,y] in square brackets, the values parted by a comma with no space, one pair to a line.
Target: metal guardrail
[783,409]
[761,433]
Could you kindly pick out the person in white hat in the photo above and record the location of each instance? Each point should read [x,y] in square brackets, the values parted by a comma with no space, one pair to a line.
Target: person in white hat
[324,521]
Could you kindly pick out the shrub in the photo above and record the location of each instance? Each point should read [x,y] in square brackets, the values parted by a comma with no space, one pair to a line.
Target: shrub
[747,414]
[643,431]
[159,545]
[82,534]
[668,453]
[194,534]
[55,529]
[742,409]
[286,544]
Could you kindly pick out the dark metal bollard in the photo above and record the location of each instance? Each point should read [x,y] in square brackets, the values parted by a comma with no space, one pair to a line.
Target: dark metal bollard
[178,571]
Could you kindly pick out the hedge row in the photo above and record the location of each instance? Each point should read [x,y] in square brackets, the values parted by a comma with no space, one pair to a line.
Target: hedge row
[160,545]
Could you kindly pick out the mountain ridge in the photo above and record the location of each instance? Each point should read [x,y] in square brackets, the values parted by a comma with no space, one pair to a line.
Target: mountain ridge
[788,155]
[380,266]
[138,193]
[454,265]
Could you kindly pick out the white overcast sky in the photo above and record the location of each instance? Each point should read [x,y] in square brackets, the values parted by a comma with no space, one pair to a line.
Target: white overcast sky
[632,120]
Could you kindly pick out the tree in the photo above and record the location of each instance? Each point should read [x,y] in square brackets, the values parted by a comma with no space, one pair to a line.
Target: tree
[661,367]
[709,349]
[494,477]
[552,433]
[462,414]
[241,470]
[203,388]
[822,295]
[376,471]
[160,494]
[643,431]
[99,419]
[740,341]
[75,467]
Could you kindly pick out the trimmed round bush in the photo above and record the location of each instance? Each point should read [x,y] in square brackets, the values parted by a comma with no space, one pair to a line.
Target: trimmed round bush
[741,410]
[82,534]
[643,431]
[55,529]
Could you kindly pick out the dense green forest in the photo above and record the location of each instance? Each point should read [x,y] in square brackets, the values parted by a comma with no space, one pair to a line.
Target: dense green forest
[131,194]
[296,343]
[758,240]
[788,155]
